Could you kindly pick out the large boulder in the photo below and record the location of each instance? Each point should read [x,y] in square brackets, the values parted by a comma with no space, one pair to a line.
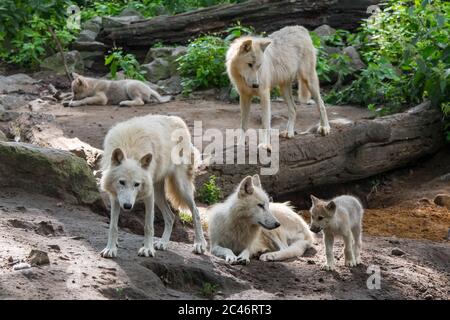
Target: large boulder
[17,83]
[356,62]
[51,172]
[324,31]
[55,63]
[172,85]
[158,69]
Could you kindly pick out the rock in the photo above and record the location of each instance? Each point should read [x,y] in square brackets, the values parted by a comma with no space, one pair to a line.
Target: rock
[38,258]
[158,69]
[172,85]
[324,31]
[73,60]
[54,247]
[445,177]
[8,116]
[87,36]
[3,136]
[117,22]
[356,62]
[21,266]
[15,100]
[88,46]
[167,53]
[442,200]
[2,108]
[130,12]
[94,24]
[18,82]
[331,50]
[93,60]
[397,252]
[47,171]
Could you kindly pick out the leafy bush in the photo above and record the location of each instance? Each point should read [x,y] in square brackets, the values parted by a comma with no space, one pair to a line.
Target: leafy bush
[203,64]
[406,49]
[25,37]
[117,60]
[209,193]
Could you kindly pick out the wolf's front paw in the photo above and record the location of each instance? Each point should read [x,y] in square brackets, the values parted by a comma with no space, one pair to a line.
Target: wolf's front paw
[287,134]
[328,267]
[244,258]
[231,259]
[200,247]
[358,261]
[160,245]
[109,252]
[267,257]
[146,252]
[350,263]
[324,130]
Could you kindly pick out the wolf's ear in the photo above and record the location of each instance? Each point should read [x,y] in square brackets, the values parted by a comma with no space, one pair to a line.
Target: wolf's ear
[117,157]
[264,44]
[246,188]
[246,46]
[256,181]
[314,199]
[146,160]
[79,82]
[331,206]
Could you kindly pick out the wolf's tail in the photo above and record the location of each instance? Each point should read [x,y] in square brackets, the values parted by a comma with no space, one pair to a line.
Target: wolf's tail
[180,184]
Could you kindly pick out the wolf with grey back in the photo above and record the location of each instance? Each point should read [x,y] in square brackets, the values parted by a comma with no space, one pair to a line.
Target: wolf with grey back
[247,224]
[341,216]
[140,163]
[256,65]
[91,91]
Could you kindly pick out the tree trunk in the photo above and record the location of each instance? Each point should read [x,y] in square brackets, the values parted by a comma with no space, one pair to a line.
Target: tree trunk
[351,152]
[263,15]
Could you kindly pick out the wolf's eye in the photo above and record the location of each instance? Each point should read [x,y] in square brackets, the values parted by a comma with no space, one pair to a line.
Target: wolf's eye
[261,205]
[122,182]
[136,184]
[250,65]
[320,218]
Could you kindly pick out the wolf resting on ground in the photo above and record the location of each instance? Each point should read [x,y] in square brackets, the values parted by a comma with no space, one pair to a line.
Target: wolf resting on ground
[247,224]
[138,165]
[341,216]
[88,91]
[256,65]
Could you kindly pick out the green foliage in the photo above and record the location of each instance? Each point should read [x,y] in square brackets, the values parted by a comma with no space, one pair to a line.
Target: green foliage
[406,49]
[186,218]
[117,60]
[25,38]
[209,290]
[209,193]
[203,64]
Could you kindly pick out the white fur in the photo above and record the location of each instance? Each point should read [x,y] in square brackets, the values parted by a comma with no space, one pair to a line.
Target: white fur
[129,176]
[341,216]
[287,55]
[247,224]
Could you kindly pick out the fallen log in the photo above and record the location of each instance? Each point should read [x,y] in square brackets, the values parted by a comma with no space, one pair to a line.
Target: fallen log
[263,15]
[352,151]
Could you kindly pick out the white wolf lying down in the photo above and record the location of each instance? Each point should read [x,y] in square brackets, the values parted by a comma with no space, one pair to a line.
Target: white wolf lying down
[137,165]
[88,91]
[247,224]
[341,216]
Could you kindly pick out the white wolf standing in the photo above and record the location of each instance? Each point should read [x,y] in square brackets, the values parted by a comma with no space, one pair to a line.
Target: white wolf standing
[256,65]
[247,224]
[138,164]
[87,91]
[341,216]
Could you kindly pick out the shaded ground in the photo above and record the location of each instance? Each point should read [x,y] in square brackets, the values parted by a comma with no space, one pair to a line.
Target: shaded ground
[77,271]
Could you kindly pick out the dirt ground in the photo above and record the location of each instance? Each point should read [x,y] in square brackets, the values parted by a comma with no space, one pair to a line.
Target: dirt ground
[401,215]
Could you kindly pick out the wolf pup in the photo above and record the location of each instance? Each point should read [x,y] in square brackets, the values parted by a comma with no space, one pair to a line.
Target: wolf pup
[138,165]
[256,65]
[90,91]
[247,224]
[341,216]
